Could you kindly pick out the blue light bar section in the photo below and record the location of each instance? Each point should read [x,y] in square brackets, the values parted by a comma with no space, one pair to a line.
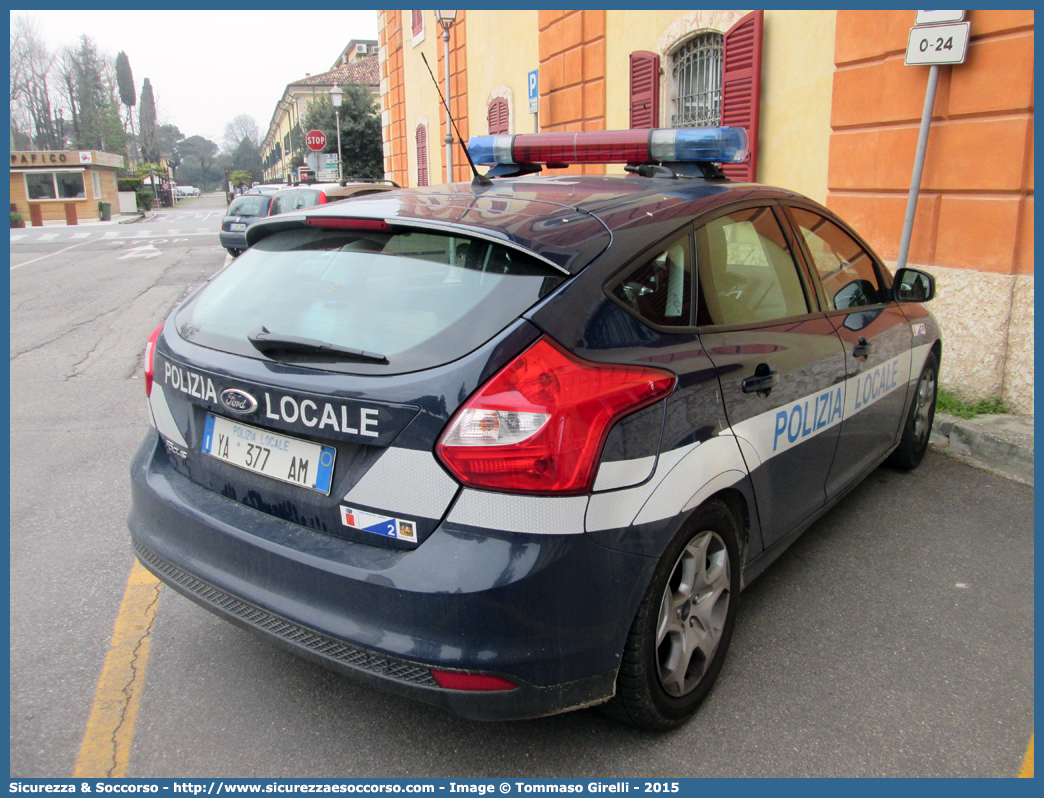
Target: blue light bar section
[720,144]
[491,150]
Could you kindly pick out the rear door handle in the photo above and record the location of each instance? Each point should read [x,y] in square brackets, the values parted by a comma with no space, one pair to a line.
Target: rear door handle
[764,380]
[863,349]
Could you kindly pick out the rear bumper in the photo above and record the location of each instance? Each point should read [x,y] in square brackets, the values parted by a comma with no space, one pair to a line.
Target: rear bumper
[548,612]
[234,240]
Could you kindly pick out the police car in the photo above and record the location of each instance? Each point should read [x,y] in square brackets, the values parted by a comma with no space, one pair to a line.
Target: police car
[514,447]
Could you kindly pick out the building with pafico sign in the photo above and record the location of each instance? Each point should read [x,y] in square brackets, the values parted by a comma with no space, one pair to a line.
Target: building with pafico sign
[43,183]
[831,110]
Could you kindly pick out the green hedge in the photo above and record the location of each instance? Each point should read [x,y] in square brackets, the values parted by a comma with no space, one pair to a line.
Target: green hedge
[128,183]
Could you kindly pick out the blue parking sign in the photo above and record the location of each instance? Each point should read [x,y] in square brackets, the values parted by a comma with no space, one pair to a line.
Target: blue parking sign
[533,93]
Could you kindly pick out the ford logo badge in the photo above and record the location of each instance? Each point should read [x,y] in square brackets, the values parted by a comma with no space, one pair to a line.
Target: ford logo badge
[238,401]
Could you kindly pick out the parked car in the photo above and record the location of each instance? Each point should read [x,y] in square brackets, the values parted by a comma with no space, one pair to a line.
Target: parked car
[514,449]
[242,212]
[309,195]
[186,191]
[267,190]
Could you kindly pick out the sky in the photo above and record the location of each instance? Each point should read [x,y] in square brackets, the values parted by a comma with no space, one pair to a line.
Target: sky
[207,67]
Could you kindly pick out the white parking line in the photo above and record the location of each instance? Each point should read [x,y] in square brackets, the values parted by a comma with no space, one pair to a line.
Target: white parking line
[49,254]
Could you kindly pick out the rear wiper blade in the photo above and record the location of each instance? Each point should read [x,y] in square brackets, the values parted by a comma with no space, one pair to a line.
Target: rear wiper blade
[264,341]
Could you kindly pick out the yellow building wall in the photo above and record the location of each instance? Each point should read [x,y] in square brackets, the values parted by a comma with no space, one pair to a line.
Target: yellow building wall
[797,81]
[503,48]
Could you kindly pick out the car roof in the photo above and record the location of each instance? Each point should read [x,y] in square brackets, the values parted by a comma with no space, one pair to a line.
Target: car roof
[567,220]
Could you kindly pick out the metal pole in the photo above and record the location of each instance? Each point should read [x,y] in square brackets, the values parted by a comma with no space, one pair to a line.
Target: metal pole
[449,134]
[915,181]
[337,116]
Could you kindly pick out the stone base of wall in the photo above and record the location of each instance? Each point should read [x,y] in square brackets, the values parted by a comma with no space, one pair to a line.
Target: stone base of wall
[987,323]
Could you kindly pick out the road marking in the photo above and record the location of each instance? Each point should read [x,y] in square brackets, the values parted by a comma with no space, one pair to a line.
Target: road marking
[46,236]
[79,235]
[1027,762]
[49,254]
[111,235]
[105,749]
[16,237]
[144,251]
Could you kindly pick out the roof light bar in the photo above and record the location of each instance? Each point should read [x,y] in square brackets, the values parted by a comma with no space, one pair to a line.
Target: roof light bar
[694,144]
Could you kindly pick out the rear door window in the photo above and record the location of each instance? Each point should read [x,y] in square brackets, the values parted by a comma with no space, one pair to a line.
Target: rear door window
[420,299]
[659,290]
[747,274]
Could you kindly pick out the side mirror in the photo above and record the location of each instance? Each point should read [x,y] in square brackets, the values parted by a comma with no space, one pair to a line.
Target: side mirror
[912,285]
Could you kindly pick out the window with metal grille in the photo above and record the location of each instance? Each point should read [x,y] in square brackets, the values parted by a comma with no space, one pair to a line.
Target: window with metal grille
[497,116]
[422,155]
[696,68]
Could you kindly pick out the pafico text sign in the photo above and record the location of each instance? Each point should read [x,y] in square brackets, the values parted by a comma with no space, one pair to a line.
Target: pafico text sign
[315,140]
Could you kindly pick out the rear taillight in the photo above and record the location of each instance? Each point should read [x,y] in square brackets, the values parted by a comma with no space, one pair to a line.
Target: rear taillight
[539,424]
[150,353]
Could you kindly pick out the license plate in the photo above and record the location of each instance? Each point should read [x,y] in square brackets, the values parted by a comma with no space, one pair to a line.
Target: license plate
[237,228]
[307,465]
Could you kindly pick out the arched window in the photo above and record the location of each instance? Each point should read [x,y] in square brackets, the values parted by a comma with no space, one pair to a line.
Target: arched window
[497,116]
[696,67]
[422,155]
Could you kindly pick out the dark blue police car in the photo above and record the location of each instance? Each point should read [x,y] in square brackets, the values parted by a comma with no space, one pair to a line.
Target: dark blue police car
[514,449]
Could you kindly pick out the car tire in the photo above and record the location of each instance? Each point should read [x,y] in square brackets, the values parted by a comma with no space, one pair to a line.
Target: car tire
[918,429]
[681,634]
[235,253]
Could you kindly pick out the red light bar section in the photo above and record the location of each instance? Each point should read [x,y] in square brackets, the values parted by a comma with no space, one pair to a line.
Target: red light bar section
[455,680]
[334,223]
[593,146]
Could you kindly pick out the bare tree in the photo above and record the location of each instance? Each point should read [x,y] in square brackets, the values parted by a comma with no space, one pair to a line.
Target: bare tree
[242,127]
[31,65]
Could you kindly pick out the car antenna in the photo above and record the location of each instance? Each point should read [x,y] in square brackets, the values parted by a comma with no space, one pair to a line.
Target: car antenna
[480,180]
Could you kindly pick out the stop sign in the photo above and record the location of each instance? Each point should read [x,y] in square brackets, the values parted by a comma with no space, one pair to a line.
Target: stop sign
[315,140]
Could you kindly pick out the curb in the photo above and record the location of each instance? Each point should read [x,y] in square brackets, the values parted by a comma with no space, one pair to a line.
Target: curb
[139,218]
[1002,444]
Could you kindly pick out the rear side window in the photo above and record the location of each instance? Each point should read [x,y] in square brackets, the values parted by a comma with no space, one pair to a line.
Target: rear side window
[295,200]
[746,272]
[660,289]
[845,269]
[253,205]
[419,299]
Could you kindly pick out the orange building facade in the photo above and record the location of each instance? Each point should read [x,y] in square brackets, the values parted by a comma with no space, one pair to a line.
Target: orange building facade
[839,117]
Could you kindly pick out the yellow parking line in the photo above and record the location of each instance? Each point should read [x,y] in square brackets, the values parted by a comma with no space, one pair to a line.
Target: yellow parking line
[106,745]
[1027,763]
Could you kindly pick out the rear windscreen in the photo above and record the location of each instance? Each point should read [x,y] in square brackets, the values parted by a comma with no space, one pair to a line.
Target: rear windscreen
[294,200]
[419,299]
[253,205]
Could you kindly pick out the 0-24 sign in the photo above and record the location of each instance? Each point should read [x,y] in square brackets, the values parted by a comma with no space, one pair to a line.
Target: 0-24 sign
[938,44]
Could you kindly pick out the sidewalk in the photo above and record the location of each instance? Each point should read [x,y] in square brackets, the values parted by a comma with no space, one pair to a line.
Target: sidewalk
[1002,444]
[125,218]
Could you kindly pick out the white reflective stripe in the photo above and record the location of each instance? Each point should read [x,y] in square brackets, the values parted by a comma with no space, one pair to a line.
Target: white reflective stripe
[617,509]
[707,462]
[622,473]
[405,482]
[790,425]
[164,420]
[538,515]
[917,357]
[720,482]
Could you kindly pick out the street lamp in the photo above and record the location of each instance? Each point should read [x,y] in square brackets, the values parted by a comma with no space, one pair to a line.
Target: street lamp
[446,20]
[336,95]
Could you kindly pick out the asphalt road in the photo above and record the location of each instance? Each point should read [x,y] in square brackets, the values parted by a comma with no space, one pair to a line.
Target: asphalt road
[895,638]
